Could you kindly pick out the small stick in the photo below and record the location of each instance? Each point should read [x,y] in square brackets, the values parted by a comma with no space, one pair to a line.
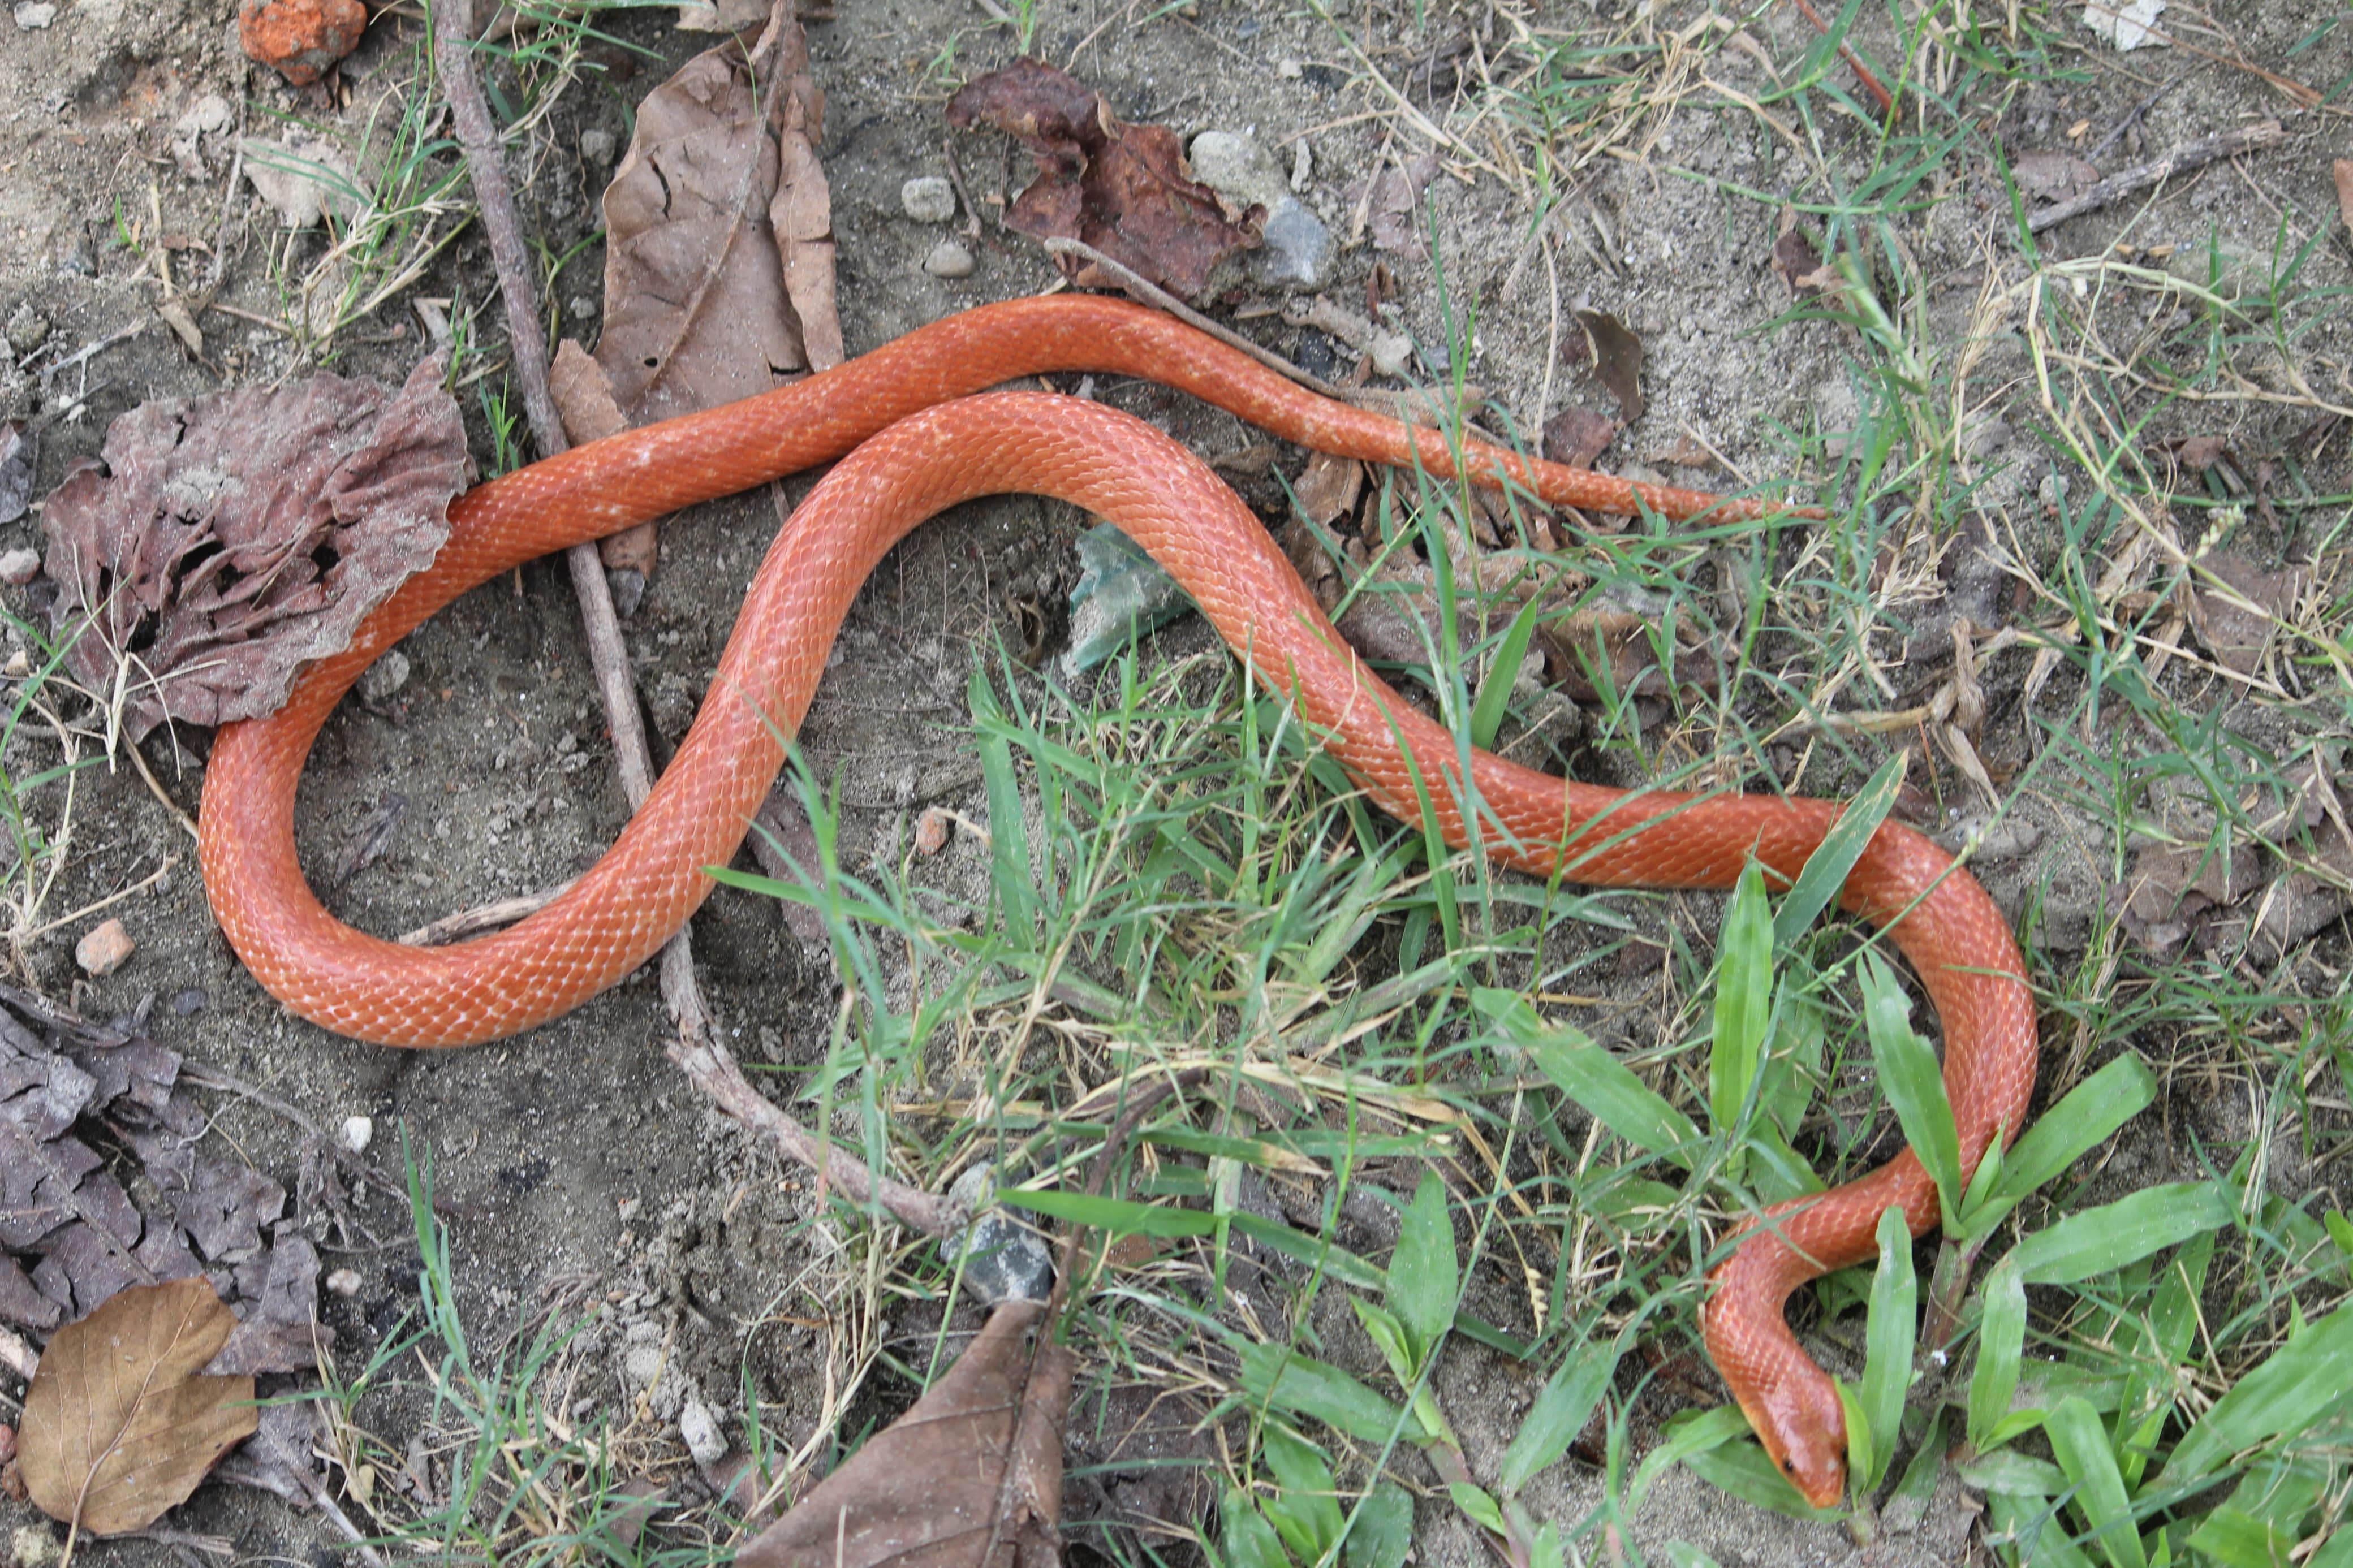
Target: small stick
[2181,161]
[1145,291]
[2133,118]
[1871,83]
[482,917]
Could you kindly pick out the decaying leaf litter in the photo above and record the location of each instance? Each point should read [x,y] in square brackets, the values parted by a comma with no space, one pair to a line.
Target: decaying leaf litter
[2173,629]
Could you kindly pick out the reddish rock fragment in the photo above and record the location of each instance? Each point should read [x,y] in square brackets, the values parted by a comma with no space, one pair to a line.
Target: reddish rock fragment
[105,948]
[301,39]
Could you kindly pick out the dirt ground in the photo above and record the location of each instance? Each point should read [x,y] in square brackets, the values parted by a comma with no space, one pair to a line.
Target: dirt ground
[574,1165]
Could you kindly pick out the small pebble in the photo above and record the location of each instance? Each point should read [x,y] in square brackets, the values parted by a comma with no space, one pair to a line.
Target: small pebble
[105,949]
[19,567]
[928,198]
[35,14]
[705,1441]
[356,1134]
[28,328]
[932,831]
[597,147]
[948,259]
[344,1282]
[642,1366]
[383,678]
[187,1004]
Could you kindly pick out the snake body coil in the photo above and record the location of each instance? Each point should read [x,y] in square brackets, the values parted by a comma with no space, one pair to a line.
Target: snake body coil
[913,442]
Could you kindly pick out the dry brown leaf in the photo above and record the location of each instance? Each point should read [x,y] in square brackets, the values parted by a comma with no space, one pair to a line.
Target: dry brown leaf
[1393,209]
[18,444]
[2172,889]
[1577,435]
[2344,172]
[2053,176]
[1617,360]
[119,1422]
[1796,260]
[2235,634]
[1123,189]
[1328,488]
[972,1475]
[699,302]
[1312,562]
[1578,651]
[226,540]
[584,400]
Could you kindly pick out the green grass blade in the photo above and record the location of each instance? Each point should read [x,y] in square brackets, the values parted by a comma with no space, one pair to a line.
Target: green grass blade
[1382,1535]
[1560,1412]
[1606,1087]
[1117,1216]
[1423,1276]
[1495,691]
[1309,1517]
[2081,1444]
[1889,1341]
[2090,1113]
[2312,1373]
[1914,1082]
[1278,1378]
[1818,886]
[1744,998]
[2100,1240]
[2002,1342]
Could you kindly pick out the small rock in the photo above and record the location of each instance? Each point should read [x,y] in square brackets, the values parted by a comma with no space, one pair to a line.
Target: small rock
[628,586]
[208,116]
[34,14]
[705,1441]
[18,567]
[344,1282]
[356,1134]
[597,147]
[948,259]
[187,1004]
[301,39]
[27,329]
[932,831]
[642,1364]
[32,1546]
[1236,166]
[104,950]
[583,307]
[1297,252]
[386,677]
[1003,1258]
[928,198]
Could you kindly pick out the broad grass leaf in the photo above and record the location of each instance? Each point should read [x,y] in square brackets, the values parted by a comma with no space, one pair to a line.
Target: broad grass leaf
[1495,691]
[1281,1379]
[1889,1338]
[1383,1531]
[2001,1340]
[1606,1087]
[2290,1392]
[1305,1507]
[1748,1473]
[2081,1443]
[1424,1277]
[2103,1239]
[1915,1084]
[1818,886]
[119,1422]
[1114,1216]
[1561,1410]
[973,1474]
[2090,1112]
[1744,998]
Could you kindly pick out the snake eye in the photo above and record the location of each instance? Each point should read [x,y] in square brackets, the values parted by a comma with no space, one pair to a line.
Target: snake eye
[1791,1466]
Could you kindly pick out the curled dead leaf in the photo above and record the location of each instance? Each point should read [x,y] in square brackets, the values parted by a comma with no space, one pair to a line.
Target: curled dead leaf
[226,540]
[1597,650]
[972,1475]
[1577,435]
[2053,176]
[1123,189]
[1328,488]
[120,1422]
[2235,612]
[1617,360]
[719,270]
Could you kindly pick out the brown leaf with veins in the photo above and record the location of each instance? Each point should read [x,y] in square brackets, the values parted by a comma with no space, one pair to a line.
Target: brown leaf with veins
[227,540]
[1123,189]
[971,1476]
[2235,633]
[1577,435]
[120,1422]
[2053,176]
[1328,488]
[719,270]
[1617,360]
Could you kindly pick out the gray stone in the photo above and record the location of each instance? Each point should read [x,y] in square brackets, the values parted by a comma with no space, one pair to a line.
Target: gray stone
[949,259]
[27,329]
[1237,168]
[1003,1258]
[34,14]
[705,1441]
[597,147]
[1297,252]
[928,198]
[18,567]
[386,677]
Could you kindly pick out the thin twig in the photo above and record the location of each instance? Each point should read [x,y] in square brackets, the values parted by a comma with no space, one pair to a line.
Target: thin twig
[2132,118]
[2181,161]
[1146,293]
[482,917]
[1871,83]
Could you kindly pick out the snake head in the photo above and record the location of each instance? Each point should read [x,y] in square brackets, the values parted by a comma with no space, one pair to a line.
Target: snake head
[1804,1433]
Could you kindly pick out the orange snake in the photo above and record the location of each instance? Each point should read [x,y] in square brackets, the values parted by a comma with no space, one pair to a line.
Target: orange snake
[911,442]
